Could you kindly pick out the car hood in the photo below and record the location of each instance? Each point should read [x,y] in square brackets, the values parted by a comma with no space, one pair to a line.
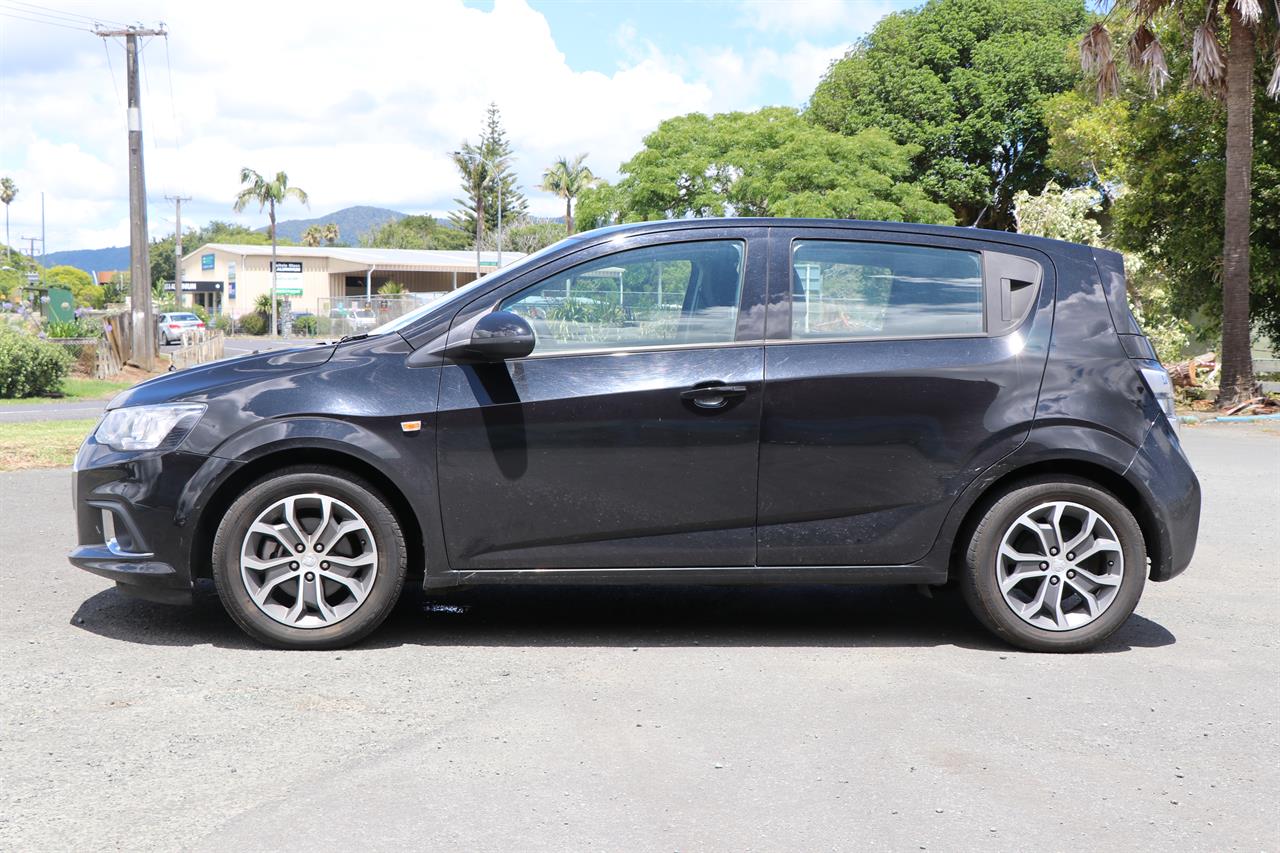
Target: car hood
[198,380]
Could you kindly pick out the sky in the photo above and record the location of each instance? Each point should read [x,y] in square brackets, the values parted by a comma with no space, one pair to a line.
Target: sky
[363,107]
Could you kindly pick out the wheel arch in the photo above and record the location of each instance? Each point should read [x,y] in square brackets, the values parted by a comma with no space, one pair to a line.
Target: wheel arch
[273,459]
[1086,469]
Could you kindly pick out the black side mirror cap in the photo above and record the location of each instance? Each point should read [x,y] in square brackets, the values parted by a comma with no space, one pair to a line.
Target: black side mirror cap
[500,336]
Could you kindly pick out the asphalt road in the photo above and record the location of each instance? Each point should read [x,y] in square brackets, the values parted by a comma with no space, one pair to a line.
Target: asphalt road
[705,719]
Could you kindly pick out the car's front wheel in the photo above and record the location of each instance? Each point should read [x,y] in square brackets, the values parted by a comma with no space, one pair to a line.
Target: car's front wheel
[309,559]
[1055,565]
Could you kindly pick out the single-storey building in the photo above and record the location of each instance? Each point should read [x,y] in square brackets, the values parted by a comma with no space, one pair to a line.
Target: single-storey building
[229,277]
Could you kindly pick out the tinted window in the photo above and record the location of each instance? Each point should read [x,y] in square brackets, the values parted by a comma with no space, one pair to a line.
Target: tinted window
[680,293]
[879,290]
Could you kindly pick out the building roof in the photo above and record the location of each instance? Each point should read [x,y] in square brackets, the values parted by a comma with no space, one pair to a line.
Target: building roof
[380,259]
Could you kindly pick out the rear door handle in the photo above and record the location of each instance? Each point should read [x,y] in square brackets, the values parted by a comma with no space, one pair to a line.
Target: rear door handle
[713,396]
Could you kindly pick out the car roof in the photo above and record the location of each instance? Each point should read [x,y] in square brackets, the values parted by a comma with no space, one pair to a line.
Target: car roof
[954,231]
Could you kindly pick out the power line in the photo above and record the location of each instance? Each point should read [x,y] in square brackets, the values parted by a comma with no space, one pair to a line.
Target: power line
[114,84]
[49,11]
[83,29]
[146,84]
[173,101]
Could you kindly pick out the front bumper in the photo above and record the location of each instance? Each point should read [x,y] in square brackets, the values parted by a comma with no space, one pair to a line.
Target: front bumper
[134,574]
[135,518]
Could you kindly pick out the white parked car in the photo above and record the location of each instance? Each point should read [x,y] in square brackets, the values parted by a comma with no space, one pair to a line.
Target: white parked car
[351,320]
[173,324]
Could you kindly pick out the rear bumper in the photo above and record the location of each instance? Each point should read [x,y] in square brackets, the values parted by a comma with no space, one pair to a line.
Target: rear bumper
[1172,524]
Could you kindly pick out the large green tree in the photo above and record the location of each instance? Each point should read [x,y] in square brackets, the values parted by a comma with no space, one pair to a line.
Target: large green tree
[770,162]
[1225,66]
[417,232]
[86,292]
[488,174]
[965,81]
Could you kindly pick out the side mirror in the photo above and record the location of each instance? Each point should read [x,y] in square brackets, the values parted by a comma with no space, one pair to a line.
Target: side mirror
[500,336]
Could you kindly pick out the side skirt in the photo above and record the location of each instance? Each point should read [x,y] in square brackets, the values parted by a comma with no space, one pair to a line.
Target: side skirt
[700,575]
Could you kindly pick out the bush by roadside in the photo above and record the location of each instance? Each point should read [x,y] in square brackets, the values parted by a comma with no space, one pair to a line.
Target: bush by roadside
[253,324]
[30,366]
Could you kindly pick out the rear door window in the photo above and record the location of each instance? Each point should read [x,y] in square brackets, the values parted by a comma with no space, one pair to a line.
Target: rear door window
[851,290]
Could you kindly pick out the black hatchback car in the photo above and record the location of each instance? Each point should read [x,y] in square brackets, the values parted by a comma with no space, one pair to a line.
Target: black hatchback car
[709,401]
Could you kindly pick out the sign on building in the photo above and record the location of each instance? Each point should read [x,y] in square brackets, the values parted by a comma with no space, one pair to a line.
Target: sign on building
[206,261]
[288,278]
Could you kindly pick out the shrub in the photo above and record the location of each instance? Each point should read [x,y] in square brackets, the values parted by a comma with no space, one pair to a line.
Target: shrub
[223,323]
[29,366]
[254,324]
[307,324]
[263,305]
[76,328]
[199,311]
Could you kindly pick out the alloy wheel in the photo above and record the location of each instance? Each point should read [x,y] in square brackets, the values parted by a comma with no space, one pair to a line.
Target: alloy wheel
[1060,565]
[308,561]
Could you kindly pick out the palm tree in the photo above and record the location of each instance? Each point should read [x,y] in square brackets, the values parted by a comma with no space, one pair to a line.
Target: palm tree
[313,236]
[268,194]
[567,179]
[330,233]
[8,192]
[1230,77]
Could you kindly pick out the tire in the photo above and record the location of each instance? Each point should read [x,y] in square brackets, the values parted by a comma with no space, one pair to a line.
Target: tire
[339,604]
[1023,519]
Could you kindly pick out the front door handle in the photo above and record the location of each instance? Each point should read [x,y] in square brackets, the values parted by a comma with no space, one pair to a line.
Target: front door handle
[713,396]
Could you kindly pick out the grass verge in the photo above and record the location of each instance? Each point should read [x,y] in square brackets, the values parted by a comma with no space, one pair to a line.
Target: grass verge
[77,388]
[41,444]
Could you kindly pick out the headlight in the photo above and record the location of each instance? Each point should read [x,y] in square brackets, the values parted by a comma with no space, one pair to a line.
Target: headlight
[1161,386]
[148,427]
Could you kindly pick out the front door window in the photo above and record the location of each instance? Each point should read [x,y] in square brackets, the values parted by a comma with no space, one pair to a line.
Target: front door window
[658,296]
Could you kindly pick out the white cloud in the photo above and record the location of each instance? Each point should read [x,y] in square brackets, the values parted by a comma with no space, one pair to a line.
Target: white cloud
[358,109]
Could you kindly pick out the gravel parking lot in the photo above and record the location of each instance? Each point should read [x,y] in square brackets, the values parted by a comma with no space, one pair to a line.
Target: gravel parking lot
[719,719]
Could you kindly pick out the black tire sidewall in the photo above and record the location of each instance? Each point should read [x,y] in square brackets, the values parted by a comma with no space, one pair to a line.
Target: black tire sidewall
[361,497]
[982,589]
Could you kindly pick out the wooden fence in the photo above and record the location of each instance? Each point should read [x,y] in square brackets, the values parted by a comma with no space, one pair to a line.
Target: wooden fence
[198,347]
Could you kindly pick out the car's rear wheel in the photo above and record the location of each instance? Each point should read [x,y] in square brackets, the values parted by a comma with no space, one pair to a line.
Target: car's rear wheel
[309,558]
[1055,565]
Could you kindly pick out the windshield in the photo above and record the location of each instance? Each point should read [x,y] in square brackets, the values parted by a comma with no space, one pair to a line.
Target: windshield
[467,289]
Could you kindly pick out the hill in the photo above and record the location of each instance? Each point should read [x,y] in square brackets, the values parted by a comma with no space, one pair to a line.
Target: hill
[353,223]
[90,260]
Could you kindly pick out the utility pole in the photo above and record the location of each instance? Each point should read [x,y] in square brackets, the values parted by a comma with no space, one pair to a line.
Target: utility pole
[144,342]
[31,253]
[177,245]
[44,247]
[31,246]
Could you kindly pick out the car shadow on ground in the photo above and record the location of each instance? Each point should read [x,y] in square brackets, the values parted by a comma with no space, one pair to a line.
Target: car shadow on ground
[715,616]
